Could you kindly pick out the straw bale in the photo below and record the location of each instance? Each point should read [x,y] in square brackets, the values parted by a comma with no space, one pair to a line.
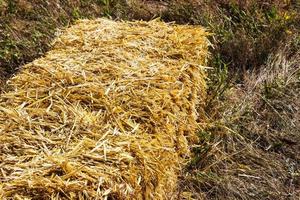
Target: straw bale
[108,113]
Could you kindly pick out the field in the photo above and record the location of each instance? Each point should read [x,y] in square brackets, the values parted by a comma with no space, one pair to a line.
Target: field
[250,150]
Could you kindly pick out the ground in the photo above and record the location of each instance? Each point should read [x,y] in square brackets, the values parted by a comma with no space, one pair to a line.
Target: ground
[250,147]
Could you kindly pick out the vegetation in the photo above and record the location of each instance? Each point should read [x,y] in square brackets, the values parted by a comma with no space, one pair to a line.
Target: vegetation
[250,150]
[27,27]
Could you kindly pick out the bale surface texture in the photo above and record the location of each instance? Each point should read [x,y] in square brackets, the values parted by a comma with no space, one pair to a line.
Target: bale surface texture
[108,113]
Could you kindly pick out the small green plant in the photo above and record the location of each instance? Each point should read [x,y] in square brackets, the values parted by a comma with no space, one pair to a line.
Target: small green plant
[11,7]
[106,2]
[107,10]
[76,13]
[272,14]
[219,80]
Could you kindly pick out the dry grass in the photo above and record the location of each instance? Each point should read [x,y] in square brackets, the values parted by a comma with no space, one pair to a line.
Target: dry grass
[110,112]
[252,149]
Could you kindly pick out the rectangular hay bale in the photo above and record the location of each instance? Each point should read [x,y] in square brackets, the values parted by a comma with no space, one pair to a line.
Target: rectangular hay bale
[108,113]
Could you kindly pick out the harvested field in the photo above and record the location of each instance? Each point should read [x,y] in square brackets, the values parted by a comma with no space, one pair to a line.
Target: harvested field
[109,113]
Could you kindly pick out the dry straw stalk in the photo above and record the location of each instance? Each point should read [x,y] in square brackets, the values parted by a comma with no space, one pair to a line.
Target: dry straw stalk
[109,113]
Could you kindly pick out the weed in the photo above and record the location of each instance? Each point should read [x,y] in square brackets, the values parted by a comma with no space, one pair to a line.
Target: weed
[76,13]
[106,2]
[11,8]
[219,81]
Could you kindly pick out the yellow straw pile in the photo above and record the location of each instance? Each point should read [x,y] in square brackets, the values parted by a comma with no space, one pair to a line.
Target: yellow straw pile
[109,113]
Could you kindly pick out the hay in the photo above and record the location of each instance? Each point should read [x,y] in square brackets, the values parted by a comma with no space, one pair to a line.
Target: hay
[108,113]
